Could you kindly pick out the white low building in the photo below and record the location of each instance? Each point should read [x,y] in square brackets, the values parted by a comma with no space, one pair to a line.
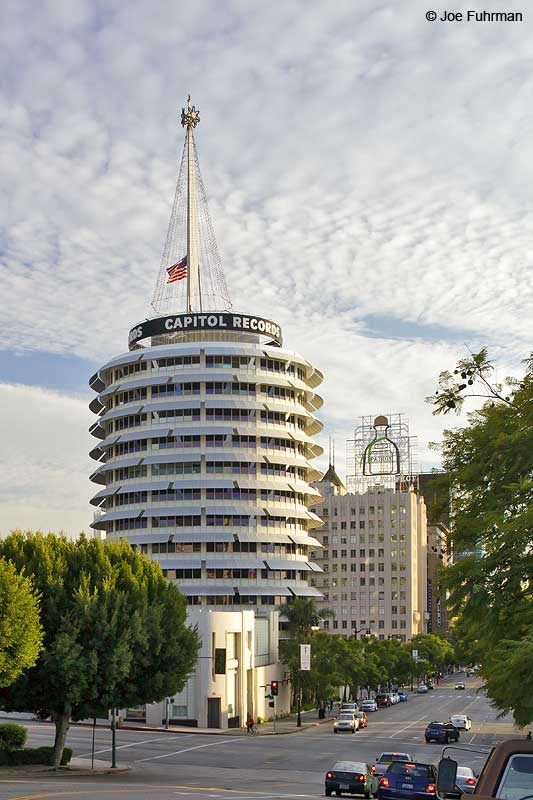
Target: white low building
[236,666]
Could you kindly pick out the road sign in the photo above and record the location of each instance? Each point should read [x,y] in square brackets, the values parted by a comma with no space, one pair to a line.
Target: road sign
[305,657]
[415,654]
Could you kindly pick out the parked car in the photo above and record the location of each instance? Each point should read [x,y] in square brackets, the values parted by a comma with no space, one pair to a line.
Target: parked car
[403,697]
[383,700]
[422,689]
[369,705]
[363,719]
[395,697]
[466,780]
[346,721]
[461,721]
[350,777]
[382,762]
[351,707]
[459,686]
[409,780]
[441,732]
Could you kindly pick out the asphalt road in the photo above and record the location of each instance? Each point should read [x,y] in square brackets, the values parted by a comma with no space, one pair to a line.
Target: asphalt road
[173,765]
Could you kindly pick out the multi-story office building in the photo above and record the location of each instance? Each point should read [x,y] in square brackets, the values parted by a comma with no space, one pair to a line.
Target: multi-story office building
[438,535]
[205,439]
[374,560]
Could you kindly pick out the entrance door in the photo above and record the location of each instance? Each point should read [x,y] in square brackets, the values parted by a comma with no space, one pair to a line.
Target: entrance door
[213,712]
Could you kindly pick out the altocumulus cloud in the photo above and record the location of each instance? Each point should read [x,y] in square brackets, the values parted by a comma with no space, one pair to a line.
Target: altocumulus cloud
[359,162]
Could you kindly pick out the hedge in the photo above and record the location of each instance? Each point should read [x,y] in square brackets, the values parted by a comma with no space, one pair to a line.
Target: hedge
[12,736]
[32,755]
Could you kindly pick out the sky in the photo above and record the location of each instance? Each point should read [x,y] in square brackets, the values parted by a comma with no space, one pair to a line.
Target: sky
[369,178]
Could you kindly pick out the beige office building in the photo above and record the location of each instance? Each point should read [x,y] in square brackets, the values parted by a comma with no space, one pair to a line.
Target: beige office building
[374,560]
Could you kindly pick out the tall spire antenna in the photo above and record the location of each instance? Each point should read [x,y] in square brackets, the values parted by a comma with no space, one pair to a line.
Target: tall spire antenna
[333,462]
[190,241]
[190,120]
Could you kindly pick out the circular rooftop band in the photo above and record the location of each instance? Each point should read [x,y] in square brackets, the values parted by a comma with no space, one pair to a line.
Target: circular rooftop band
[187,323]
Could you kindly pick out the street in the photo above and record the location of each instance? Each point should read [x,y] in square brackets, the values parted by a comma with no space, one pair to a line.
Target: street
[245,767]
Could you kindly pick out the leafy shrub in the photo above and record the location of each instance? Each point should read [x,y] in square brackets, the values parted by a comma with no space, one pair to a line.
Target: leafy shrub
[32,755]
[12,736]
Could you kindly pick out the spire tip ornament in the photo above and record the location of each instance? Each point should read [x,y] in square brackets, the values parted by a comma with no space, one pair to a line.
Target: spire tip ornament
[190,117]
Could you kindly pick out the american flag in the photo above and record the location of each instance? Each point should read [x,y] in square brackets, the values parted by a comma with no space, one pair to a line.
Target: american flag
[178,271]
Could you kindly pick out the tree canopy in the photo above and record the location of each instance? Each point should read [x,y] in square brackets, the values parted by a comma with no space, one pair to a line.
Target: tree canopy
[341,662]
[490,582]
[21,633]
[115,632]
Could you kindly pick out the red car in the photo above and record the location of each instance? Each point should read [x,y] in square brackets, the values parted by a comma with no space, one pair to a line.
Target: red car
[363,719]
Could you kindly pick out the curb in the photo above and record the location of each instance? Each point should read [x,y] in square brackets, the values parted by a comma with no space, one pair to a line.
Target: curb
[240,732]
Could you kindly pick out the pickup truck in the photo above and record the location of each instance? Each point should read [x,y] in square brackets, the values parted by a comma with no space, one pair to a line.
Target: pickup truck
[507,774]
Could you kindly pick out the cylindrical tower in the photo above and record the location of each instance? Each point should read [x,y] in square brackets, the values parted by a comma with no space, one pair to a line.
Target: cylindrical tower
[205,431]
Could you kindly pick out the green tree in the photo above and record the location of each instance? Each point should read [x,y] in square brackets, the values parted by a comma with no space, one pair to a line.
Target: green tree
[490,468]
[437,651]
[302,616]
[21,633]
[115,632]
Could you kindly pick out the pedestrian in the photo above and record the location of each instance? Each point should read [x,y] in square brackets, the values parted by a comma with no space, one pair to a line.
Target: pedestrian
[250,723]
[529,737]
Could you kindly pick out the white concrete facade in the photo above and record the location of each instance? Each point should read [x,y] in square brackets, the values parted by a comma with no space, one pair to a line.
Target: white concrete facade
[211,700]
[204,464]
[374,561]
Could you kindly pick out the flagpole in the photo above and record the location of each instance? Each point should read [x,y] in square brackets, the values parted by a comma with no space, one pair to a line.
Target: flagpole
[190,120]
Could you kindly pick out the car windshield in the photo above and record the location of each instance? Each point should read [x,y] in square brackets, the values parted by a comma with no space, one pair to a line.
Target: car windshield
[346,716]
[465,772]
[350,766]
[359,715]
[517,781]
[414,770]
[387,758]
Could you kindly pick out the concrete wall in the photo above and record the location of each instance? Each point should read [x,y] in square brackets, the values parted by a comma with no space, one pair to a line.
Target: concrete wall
[242,689]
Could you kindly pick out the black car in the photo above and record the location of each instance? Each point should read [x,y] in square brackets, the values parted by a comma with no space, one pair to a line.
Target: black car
[350,777]
[383,700]
[441,732]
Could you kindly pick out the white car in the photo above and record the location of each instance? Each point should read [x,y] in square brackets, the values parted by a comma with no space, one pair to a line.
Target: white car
[348,708]
[422,689]
[369,705]
[461,721]
[346,722]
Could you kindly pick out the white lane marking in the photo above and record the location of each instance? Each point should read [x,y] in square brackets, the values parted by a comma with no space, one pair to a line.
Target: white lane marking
[134,744]
[394,735]
[187,749]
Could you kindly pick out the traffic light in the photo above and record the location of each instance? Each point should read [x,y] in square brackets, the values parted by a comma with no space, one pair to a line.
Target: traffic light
[274,688]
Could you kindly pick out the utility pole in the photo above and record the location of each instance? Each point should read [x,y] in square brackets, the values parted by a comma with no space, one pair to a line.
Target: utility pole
[298,693]
[113,738]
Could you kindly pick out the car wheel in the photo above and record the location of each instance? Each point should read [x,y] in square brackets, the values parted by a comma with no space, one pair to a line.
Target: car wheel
[328,792]
[427,740]
[335,731]
[447,740]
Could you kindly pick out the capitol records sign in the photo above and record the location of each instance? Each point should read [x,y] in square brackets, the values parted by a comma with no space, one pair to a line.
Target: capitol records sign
[184,323]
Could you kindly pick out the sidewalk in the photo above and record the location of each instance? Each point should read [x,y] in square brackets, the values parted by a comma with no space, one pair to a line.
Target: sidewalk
[279,727]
